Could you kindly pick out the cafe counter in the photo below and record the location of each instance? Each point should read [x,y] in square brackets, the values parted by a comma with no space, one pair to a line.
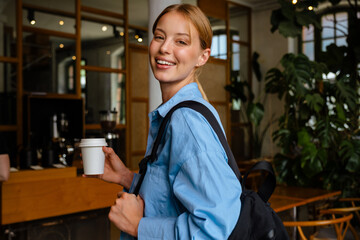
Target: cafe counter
[37,194]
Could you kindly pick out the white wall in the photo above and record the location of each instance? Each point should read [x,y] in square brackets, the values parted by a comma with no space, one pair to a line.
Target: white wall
[271,47]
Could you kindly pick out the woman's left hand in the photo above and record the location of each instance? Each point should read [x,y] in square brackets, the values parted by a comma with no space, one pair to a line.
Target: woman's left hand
[127,212]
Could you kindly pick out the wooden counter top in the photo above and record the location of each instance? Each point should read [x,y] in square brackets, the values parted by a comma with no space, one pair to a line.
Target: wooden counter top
[37,194]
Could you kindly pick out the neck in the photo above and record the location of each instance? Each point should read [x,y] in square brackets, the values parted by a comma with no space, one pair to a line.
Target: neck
[168,90]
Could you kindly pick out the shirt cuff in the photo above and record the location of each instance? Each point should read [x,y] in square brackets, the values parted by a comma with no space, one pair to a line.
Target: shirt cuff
[133,183]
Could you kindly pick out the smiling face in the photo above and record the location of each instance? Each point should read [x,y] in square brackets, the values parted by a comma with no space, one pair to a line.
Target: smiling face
[175,51]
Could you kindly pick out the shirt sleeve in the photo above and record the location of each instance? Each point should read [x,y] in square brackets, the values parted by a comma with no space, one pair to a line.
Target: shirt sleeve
[210,192]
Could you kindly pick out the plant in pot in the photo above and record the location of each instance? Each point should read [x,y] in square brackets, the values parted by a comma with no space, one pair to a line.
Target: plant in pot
[249,108]
[318,133]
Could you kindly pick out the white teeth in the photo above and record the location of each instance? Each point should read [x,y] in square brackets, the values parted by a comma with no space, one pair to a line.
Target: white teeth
[164,62]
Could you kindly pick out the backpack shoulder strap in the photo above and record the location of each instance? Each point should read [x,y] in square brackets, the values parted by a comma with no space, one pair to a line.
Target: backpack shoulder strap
[265,190]
[269,184]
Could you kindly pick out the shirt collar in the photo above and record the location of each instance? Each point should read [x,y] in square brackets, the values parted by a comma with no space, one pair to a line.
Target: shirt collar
[188,92]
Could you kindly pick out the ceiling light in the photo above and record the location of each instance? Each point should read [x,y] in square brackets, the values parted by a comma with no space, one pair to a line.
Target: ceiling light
[31,16]
[104,28]
[121,33]
[136,36]
[310,8]
[61,22]
[140,39]
[61,45]
[294,1]
[73,58]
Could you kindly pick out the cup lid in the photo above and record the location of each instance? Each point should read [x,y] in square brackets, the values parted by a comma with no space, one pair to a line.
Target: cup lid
[92,142]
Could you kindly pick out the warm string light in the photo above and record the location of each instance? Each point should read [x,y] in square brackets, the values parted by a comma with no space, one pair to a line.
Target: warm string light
[138,36]
[31,16]
[310,8]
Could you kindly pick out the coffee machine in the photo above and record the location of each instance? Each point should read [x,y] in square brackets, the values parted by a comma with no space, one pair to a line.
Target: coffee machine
[108,125]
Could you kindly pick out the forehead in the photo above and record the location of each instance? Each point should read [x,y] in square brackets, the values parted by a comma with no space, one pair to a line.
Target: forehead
[177,22]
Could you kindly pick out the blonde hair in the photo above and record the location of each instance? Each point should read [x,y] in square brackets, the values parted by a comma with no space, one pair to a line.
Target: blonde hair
[201,24]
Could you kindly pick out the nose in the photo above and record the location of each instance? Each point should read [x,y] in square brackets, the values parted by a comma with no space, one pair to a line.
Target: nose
[165,47]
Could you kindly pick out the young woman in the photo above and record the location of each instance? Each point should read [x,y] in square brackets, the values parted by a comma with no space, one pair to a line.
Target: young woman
[189,192]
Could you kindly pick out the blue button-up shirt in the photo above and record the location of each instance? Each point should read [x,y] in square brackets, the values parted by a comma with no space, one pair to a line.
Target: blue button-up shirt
[190,192]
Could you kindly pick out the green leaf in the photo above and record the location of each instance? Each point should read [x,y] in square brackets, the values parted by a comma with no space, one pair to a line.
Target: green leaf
[353,164]
[350,154]
[288,28]
[288,10]
[340,111]
[275,19]
[325,132]
[255,113]
[298,72]
[333,57]
[304,137]
[305,18]
[346,94]
[315,102]
[256,66]
[275,82]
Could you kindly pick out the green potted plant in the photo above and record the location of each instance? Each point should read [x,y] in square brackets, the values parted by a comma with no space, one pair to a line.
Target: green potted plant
[318,134]
[248,107]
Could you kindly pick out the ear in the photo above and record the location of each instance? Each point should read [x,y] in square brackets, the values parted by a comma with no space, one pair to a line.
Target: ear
[205,54]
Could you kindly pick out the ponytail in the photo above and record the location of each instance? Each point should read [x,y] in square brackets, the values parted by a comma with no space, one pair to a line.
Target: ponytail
[201,89]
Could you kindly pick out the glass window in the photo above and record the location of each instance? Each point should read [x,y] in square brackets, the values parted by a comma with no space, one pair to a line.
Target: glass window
[327,23]
[219,45]
[341,24]
[334,31]
[308,50]
[308,33]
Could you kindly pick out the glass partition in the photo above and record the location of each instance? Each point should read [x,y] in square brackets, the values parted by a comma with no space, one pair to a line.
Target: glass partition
[46,63]
[102,45]
[37,18]
[8,76]
[8,29]
[102,92]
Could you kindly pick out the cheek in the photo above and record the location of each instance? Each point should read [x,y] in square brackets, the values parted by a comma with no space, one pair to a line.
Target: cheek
[188,56]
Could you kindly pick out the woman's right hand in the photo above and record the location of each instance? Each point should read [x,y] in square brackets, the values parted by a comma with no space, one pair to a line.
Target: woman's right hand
[115,170]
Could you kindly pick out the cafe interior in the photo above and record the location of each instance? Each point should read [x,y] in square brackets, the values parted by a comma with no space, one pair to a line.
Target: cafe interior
[283,76]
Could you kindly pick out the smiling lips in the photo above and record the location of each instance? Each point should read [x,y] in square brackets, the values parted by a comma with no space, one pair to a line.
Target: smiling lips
[163,62]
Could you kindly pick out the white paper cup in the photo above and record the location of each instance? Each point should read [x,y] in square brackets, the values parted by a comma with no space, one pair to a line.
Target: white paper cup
[92,155]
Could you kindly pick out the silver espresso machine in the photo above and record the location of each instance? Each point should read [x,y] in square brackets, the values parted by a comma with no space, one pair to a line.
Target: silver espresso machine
[108,128]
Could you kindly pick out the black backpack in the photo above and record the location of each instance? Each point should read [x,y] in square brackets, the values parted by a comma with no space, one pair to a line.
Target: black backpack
[257,219]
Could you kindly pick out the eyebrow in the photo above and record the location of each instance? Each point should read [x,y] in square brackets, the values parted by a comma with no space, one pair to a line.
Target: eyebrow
[181,34]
